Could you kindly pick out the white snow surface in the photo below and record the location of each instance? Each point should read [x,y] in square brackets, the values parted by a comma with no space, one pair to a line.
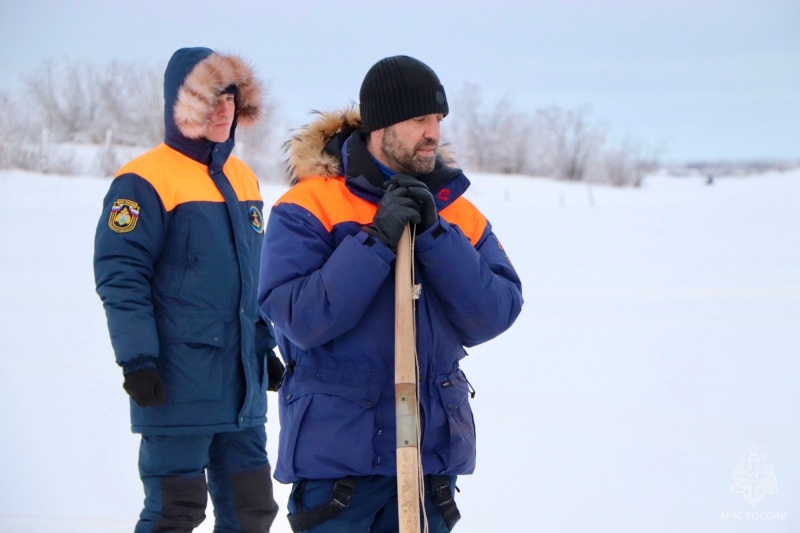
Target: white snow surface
[658,350]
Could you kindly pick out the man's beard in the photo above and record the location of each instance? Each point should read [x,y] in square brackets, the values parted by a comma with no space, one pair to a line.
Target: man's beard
[406,161]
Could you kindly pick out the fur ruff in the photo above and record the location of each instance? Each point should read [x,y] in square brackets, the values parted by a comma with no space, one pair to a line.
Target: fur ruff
[305,155]
[305,150]
[198,93]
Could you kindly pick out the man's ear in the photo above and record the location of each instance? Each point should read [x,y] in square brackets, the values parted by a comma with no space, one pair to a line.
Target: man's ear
[374,140]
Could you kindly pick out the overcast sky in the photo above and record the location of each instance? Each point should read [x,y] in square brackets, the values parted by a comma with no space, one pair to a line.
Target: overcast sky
[700,79]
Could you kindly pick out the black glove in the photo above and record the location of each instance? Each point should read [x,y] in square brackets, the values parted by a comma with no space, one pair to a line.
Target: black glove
[422,195]
[275,370]
[145,387]
[395,210]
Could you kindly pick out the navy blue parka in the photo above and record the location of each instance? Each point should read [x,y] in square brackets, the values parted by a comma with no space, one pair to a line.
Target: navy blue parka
[177,253]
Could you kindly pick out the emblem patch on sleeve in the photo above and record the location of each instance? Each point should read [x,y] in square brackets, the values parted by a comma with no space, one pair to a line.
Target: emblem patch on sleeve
[256,220]
[499,245]
[124,215]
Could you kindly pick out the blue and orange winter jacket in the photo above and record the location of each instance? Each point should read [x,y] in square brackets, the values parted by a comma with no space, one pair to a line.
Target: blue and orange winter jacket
[329,289]
[177,253]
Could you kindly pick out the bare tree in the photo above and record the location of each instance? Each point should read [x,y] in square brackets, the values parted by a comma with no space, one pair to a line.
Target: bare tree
[67,96]
[20,136]
[492,141]
[468,126]
[571,141]
[132,104]
[119,108]
[558,143]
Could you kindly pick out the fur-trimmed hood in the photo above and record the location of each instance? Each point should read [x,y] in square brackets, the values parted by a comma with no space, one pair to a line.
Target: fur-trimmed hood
[311,152]
[193,79]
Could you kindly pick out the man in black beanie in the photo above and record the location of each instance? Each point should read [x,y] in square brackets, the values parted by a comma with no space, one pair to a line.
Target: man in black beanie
[327,283]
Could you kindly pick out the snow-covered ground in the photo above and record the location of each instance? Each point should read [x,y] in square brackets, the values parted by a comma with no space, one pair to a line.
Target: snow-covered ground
[650,384]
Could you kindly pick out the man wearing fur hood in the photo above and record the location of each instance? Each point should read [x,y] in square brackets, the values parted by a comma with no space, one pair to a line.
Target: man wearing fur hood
[177,254]
[327,283]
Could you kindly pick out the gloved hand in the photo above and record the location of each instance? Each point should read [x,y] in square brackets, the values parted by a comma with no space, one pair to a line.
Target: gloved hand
[422,195]
[275,371]
[395,210]
[145,387]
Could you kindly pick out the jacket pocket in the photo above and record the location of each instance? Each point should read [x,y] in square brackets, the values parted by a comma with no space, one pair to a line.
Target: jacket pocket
[191,359]
[328,421]
[456,439]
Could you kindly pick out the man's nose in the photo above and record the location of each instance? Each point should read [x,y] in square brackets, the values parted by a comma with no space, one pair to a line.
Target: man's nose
[432,134]
[433,131]
[226,110]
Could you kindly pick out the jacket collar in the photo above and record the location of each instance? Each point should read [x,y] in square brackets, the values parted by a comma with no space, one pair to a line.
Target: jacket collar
[333,145]
[366,180]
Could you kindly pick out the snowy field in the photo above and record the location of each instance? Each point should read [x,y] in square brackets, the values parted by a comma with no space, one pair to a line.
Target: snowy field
[651,384]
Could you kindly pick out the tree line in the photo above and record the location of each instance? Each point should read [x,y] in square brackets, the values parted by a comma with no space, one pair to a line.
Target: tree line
[119,107]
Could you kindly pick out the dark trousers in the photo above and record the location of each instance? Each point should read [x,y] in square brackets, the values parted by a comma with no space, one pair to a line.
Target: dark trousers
[173,470]
[372,508]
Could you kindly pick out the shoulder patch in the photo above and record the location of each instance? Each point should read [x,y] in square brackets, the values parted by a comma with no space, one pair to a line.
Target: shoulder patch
[124,215]
[256,220]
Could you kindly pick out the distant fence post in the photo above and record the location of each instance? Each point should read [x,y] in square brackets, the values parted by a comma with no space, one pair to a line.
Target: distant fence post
[43,154]
[107,156]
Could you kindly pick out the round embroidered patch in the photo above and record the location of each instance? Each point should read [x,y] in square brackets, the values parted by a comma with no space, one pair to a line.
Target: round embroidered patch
[256,220]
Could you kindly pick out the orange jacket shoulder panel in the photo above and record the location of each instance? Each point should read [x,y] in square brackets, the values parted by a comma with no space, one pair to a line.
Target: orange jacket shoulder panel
[329,200]
[179,179]
[466,216]
[242,178]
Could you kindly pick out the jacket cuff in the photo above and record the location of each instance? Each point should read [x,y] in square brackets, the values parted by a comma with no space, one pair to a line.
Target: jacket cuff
[376,246]
[141,363]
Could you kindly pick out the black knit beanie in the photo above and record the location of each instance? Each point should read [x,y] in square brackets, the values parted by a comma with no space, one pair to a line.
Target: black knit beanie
[399,88]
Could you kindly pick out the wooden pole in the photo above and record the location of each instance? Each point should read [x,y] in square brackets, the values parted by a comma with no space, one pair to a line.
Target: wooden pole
[405,390]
